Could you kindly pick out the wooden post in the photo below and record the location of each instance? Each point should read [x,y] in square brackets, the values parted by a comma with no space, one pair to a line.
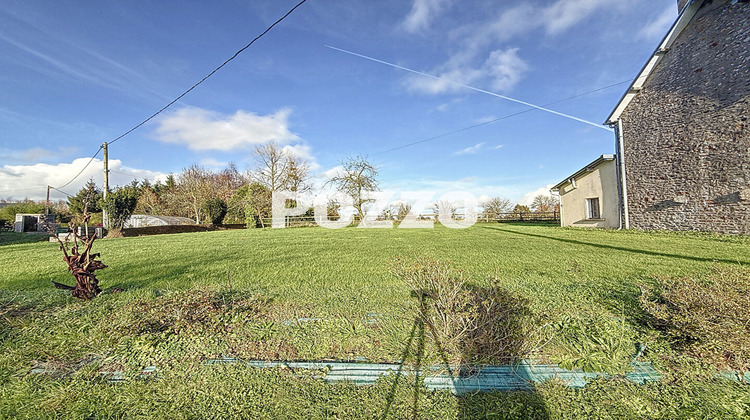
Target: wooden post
[105,191]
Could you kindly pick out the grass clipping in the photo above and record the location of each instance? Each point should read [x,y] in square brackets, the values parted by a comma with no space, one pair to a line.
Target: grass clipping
[709,318]
[469,324]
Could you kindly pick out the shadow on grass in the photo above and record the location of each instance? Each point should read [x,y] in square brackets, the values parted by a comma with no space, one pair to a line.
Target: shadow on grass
[14,238]
[620,248]
[487,325]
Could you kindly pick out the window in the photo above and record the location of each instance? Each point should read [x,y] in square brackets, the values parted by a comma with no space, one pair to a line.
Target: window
[592,208]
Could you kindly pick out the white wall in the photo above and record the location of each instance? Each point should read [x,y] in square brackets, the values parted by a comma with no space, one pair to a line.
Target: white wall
[601,183]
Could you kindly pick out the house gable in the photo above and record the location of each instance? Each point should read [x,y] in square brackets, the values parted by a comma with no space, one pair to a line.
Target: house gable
[684,129]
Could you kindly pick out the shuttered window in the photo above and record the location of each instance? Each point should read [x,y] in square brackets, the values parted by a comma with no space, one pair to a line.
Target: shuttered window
[592,208]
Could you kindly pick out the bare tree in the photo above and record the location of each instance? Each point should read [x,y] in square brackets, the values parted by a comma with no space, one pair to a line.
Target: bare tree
[444,207]
[333,209]
[357,180]
[226,181]
[388,213]
[496,206]
[402,210]
[194,187]
[271,167]
[149,202]
[544,204]
[298,174]
[278,169]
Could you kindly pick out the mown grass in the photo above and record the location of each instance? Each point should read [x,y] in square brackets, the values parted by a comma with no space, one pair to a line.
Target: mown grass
[311,294]
[10,238]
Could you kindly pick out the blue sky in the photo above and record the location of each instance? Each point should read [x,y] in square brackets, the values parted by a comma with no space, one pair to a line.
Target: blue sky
[78,73]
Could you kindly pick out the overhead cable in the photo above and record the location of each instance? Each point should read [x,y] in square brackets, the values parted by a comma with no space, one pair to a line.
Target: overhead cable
[83,169]
[187,91]
[497,119]
[209,74]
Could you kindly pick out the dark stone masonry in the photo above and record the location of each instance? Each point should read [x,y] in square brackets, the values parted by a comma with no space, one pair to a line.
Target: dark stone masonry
[686,137]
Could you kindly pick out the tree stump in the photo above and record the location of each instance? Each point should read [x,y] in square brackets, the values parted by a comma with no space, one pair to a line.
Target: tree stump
[82,265]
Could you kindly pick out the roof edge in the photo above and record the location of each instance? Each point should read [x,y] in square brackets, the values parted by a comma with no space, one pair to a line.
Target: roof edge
[586,169]
[685,16]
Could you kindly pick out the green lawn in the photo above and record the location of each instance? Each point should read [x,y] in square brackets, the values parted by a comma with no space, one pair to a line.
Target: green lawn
[313,294]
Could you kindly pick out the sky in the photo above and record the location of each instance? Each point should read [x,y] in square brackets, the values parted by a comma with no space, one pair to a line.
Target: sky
[453,76]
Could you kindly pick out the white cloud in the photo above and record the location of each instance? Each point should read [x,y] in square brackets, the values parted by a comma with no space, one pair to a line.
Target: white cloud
[525,18]
[527,198]
[510,23]
[202,129]
[213,163]
[476,148]
[486,120]
[422,13]
[502,70]
[657,28]
[335,171]
[21,181]
[505,69]
[33,155]
[564,14]
[470,150]
[302,151]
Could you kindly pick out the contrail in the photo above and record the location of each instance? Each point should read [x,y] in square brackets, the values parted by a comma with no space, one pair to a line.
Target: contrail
[507,98]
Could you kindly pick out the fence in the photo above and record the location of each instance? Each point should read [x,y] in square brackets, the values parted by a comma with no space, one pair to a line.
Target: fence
[542,216]
[552,216]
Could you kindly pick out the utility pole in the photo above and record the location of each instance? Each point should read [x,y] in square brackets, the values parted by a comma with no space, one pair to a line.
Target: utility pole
[105,219]
[46,209]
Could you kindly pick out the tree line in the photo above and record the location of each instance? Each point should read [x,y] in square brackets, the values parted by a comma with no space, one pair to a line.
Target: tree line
[231,196]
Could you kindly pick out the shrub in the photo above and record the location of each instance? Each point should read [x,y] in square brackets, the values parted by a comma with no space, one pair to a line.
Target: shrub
[8,213]
[471,324]
[96,219]
[119,205]
[87,200]
[707,317]
[249,204]
[215,209]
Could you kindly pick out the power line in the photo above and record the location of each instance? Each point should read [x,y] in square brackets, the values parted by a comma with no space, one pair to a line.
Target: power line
[123,173]
[209,74]
[185,92]
[498,119]
[59,190]
[79,173]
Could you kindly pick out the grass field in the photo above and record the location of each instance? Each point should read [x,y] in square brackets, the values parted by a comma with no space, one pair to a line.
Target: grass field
[318,294]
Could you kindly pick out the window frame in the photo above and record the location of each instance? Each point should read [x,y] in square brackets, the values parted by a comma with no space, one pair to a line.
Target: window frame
[590,207]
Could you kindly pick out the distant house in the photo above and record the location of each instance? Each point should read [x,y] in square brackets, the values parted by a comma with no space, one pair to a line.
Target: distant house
[681,129]
[589,197]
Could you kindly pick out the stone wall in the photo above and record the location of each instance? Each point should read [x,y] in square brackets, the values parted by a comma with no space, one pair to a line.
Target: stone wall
[686,136]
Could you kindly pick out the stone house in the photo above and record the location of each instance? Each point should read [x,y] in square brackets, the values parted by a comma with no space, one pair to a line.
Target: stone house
[681,129]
